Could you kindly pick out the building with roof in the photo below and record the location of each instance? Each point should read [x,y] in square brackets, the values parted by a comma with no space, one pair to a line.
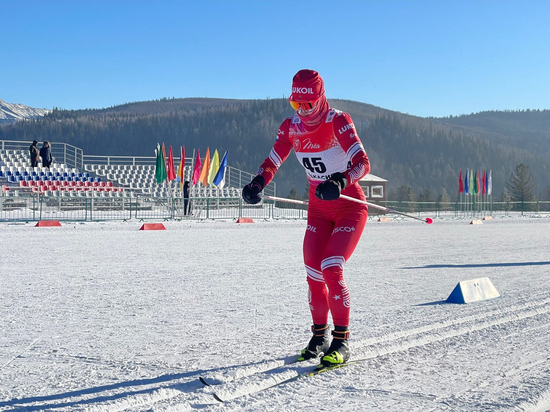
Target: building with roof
[374,188]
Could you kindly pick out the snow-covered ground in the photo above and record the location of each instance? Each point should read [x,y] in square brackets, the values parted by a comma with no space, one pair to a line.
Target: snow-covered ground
[105,317]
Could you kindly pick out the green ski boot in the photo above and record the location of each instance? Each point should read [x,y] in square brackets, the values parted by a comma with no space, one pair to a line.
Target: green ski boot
[339,348]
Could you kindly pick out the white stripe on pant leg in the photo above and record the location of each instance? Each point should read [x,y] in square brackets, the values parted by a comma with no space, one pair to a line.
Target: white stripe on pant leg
[314,274]
[333,261]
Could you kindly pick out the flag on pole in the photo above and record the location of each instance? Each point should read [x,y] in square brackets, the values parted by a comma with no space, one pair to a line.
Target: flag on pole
[160,167]
[476,182]
[205,168]
[484,183]
[460,183]
[197,170]
[471,183]
[181,167]
[467,182]
[214,166]
[489,183]
[171,172]
[219,180]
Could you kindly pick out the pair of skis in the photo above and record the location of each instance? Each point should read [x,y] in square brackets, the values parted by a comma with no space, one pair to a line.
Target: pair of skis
[236,388]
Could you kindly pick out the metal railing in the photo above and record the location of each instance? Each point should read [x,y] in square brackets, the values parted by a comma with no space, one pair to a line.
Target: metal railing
[469,210]
[35,207]
[71,156]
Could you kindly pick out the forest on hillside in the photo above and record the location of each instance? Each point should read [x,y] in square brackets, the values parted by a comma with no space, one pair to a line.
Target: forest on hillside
[423,154]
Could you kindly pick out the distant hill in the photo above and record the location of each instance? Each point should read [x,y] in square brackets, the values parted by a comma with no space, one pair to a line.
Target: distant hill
[523,129]
[424,153]
[13,112]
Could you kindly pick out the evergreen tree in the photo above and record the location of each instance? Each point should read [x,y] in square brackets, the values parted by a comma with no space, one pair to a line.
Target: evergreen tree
[522,187]
[505,198]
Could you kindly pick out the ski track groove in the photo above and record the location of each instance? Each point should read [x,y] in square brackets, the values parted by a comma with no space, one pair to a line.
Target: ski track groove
[413,338]
[201,397]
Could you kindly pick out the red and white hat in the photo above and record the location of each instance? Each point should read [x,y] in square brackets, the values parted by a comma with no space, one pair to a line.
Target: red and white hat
[307,86]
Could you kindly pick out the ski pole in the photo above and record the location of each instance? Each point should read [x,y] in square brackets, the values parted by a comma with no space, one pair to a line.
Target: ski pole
[428,220]
[284,199]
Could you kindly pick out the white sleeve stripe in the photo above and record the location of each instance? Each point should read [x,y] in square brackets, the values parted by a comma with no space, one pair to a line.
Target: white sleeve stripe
[354,149]
[275,158]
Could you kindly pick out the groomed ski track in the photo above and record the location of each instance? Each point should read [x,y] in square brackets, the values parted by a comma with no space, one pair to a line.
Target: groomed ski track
[420,353]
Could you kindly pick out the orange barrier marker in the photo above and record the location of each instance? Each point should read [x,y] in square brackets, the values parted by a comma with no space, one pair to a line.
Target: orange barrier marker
[384,219]
[47,223]
[152,226]
[244,220]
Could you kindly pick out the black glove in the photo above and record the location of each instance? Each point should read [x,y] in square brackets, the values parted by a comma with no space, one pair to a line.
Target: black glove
[251,191]
[331,188]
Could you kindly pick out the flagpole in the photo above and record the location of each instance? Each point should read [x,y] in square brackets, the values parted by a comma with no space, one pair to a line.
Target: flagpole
[193,161]
[192,166]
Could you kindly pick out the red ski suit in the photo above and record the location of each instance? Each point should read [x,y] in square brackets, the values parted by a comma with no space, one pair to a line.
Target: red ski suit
[333,227]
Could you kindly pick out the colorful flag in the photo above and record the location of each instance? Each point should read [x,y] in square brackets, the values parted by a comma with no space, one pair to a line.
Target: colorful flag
[197,170]
[214,166]
[160,167]
[471,183]
[181,167]
[484,183]
[171,172]
[467,181]
[476,182]
[460,183]
[205,168]
[219,180]
[489,183]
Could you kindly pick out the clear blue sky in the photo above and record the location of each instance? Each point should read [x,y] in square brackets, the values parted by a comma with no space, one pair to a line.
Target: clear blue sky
[426,58]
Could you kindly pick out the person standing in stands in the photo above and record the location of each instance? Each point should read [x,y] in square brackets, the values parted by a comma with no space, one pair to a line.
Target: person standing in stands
[46,154]
[327,145]
[34,153]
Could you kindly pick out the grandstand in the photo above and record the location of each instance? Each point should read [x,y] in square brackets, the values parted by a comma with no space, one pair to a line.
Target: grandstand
[79,187]
[73,174]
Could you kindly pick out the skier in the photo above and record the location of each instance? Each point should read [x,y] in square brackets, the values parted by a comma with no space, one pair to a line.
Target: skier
[327,145]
